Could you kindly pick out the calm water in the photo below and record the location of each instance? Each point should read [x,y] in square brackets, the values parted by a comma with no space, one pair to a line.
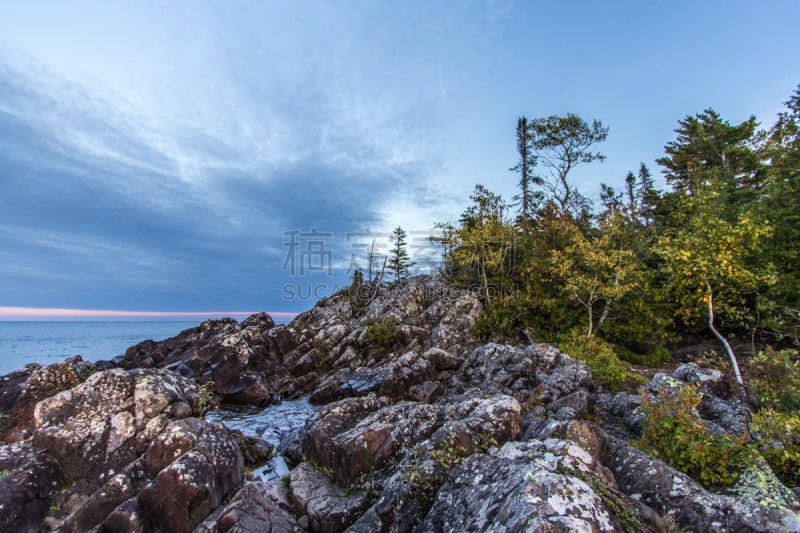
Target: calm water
[271,424]
[50,342]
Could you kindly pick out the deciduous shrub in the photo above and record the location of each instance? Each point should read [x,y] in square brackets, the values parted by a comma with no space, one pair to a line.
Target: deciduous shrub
[776,379]
[779,443]
[776,383]
[607,367]
[674,433]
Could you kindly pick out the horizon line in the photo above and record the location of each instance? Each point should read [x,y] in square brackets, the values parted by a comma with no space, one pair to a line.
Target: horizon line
[8,312]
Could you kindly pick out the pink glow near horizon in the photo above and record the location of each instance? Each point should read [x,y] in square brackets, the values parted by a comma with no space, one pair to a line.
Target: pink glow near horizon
[42,312]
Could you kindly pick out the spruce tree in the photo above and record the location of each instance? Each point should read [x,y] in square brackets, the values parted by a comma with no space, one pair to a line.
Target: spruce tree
[399,261]
[527,199]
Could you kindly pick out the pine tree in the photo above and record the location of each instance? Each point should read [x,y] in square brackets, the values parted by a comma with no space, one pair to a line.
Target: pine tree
[399,261]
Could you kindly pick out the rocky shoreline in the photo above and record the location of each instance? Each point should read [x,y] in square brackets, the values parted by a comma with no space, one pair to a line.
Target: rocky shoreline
[419,427]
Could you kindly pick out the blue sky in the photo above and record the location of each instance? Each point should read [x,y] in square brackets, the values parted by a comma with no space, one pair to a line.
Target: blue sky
[157,156]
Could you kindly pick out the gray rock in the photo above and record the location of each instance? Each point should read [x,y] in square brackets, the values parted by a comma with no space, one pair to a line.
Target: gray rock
[756,505]
[97,428]
[579,403]
[442,360]
[427,391]
[328,507]
[534,486]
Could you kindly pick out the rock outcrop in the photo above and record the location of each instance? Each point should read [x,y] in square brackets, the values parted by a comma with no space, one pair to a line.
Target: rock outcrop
[122,447]
[420,427]
[237,362]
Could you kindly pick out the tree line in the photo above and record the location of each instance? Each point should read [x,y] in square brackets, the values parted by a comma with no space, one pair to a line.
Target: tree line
[717,251]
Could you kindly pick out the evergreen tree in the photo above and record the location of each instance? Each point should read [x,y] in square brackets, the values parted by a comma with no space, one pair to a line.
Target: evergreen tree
[631,195]
[780,206]
[647,195]
[399,261]
[527,198]
[609,197]
[711,153]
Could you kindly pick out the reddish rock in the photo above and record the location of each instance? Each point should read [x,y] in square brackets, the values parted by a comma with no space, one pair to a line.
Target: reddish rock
[258,507]
[372,443]
[328,507]
[28,479]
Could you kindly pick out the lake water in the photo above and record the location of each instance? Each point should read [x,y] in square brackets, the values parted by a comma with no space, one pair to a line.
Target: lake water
[50,342]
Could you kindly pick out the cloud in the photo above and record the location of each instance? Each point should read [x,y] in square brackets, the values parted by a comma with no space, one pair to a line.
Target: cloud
[105,206]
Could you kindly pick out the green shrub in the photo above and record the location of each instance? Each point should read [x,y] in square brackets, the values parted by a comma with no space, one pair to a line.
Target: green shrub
[607,368]
[776,380]
[775,377]
[652,359]
[384,333]
[677,436]
[779,443]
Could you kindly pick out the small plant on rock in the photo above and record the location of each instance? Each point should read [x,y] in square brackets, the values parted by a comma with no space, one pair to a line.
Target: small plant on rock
[205,399]
[384,333]
[674,433]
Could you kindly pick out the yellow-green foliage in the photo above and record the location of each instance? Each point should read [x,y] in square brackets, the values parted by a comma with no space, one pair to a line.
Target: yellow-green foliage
[776,382]
[384,333]
[776,379]
[779,443]
[601,357]
[675,434]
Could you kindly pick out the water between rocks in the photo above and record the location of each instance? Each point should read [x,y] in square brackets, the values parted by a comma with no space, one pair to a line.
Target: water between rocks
[270,423]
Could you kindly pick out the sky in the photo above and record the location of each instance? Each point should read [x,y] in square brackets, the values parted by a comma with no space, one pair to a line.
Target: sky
[227,157]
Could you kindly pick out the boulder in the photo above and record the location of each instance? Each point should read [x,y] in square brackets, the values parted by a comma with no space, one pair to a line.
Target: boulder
[475,424]
[328,507]
[261,507]
[128,517]
[105,500]
[370,444]
[238,362]
[478,417]
[21,390]
[534,486]
[426,392]
[28,480]
[11,385]
[103,424]
[394,378]
[757,504]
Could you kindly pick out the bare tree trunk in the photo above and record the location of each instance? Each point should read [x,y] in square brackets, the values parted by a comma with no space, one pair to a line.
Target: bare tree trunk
[378,280]
[607,307]
[720,337]
[484,278]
